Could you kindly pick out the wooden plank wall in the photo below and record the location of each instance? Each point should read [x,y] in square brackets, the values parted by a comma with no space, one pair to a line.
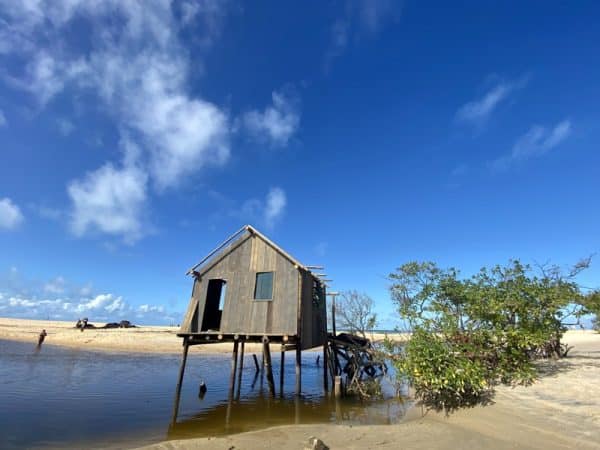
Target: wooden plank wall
[313,317]
[241,313]
[186,325]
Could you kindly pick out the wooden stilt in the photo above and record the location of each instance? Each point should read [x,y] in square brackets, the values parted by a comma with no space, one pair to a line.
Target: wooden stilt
[241,368]
[325,368]
[337,388]
[233,368]
[254,380]
[297,417]
[331,362]
[268,366]
[282,371]
[256,363]
[262,369]
[298,369]
[180,381]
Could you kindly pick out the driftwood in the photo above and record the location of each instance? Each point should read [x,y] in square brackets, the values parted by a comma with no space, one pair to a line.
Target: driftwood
[356,360]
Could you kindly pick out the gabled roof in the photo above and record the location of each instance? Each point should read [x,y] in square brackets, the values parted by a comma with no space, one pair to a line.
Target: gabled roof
[229,245]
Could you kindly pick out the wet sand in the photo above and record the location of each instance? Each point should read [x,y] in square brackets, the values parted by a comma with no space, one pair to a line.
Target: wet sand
[560,411]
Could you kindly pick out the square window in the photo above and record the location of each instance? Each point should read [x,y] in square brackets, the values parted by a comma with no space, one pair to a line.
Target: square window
[264,286]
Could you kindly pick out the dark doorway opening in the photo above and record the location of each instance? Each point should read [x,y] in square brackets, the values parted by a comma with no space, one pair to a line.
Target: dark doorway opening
[213,309]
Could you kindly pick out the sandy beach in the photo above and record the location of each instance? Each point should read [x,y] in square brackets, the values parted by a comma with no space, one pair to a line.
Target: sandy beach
[560,411]
[143,339]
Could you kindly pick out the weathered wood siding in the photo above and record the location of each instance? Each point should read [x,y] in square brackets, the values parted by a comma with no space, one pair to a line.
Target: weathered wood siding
[189,324]
[313,316]
[241,313]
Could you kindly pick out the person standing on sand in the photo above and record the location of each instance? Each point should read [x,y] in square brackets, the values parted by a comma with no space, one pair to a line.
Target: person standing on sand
[41,338]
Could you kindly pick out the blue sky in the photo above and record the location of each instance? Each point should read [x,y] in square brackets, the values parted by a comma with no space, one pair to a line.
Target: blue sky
[135,136]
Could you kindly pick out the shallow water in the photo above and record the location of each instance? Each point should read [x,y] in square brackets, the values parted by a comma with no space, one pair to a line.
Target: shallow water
[60,397]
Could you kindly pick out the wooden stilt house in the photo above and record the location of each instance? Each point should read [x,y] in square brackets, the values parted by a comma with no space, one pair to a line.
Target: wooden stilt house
[249,289]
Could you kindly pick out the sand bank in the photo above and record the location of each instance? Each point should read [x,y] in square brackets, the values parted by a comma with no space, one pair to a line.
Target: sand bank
[560,411]
[143,339]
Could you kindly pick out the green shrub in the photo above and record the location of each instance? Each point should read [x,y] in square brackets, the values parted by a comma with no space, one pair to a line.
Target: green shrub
[471,334]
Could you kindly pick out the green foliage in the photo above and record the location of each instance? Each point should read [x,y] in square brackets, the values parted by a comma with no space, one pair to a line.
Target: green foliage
[591,305]
[471,334]
[443,375]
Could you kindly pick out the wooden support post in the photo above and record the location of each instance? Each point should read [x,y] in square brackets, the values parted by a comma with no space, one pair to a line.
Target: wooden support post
[333,314]
[180,380]
[268,366]
[325,368]
[262,368]
[337,389]
[256,363]
[282,371]
[241,368]
[233,368]
[332,365]
[297,417]
[298,369]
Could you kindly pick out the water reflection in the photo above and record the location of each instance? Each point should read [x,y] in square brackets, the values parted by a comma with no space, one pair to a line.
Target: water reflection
[265,411]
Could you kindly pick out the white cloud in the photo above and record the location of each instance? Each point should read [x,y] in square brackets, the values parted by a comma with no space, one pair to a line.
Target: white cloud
[374,14]
[536,142]
[111,201]
[360,18]
[278,122]
[139,69]
[61,300]
[10,214]
[275,206]
[3,121]
[181,134]
[477,111]
[56,286]
[266,212]
[150,308]
[98,308]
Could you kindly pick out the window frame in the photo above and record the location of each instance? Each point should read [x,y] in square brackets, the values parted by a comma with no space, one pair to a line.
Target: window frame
[270,299]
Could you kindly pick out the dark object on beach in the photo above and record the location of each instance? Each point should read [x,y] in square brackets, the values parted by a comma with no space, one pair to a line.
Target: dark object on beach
[202,390]
[315,443]
[82,324]
[121,324]
[126,324]
[41,338]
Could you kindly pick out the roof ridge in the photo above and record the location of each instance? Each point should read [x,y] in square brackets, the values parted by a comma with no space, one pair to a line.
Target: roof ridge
[253,231]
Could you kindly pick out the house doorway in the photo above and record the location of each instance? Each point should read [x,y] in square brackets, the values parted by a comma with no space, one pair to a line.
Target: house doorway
[215,301]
